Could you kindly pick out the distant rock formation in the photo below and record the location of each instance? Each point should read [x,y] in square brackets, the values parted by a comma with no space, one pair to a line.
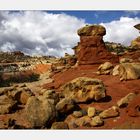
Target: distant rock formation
[135,44]
[137,26]
[116,48]
[91,48]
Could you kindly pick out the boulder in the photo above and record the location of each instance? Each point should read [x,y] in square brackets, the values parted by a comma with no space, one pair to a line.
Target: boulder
[83,89]
[40,112]
[83,121]
[110,113]
[59,125]
[22,95]
[65,105]
[70,120]
[96,121]
[105,68]
[115,70]
[129,71]
[126,60]
[50,94]
[91,111]
[77,114]
[19,93]
[92,30]
[125,100]
[7,104]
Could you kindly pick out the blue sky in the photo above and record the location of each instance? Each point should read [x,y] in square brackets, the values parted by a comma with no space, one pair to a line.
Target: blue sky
[99,16]
[55,32]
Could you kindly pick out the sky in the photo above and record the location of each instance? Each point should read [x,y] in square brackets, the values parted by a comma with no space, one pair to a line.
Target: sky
[55,32]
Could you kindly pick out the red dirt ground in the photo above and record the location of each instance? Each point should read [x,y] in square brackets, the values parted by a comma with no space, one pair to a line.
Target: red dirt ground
[41,68]
[115,89]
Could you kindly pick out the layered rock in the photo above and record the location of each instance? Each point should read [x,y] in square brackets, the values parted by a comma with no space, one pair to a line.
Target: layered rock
[92,48]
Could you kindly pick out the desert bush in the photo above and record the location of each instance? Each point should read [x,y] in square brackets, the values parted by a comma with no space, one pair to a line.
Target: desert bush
[17,77]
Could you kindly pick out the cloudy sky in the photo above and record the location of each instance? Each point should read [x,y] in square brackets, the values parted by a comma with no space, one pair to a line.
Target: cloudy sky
[54,32]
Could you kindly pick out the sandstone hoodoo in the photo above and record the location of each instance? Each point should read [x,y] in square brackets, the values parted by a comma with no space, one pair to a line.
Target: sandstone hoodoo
[92,49]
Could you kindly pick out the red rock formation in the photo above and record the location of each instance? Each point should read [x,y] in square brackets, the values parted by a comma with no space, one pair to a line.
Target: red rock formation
[92,47]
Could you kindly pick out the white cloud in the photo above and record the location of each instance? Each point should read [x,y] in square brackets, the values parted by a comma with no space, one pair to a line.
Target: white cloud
[38,32]
[121,31]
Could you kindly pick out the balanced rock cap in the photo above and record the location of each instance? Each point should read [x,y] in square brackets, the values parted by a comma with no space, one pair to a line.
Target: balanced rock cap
[92,30]
[137,26]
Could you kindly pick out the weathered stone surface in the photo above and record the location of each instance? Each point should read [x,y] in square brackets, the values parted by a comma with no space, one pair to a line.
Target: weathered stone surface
[59,125]
[125,100]
[50,94]
[135,44]
[105,68]
[91,111]
[83,121]
[126,60]
[22,95]
[6,104]
[96,121]
[115,70]
[129,71]
[77,114]
[93,51]
[65,105]
[83,89]
[91,48]
[109,113]
[133,108]
[40,113]
[92,30]
[19,93]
